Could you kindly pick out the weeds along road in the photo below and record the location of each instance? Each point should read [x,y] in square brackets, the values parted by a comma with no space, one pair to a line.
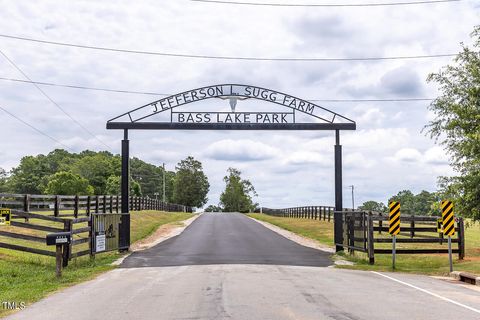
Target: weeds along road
[227,266]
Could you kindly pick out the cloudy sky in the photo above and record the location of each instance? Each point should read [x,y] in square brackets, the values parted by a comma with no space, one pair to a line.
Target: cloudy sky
[387,153]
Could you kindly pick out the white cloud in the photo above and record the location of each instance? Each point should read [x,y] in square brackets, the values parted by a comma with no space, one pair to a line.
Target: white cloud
[240,150]
[436,156]
[308,157]
[408,155]
[303,161]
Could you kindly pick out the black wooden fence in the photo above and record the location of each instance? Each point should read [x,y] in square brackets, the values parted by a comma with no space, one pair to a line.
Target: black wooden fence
[368,231]
[33,216]
[310,212]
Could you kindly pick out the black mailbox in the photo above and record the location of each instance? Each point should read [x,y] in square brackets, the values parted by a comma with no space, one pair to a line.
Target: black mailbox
[59,238]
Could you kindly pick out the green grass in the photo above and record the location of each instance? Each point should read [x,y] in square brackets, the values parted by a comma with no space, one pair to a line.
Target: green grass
[27,277]
[433,264]
[322,231]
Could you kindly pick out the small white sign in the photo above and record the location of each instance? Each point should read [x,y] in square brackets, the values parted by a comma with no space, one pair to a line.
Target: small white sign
[61,240]
[100,243]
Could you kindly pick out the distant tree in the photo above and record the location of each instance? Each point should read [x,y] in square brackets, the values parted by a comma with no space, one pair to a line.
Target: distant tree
[97,168]
[238,193]
[407,201]
[420,204]
[190,185]
[457,126]
[31,176]
[373,206]
[67,183]
[3,180]
[114,183]
[135,188]
[213,208]
[149,176]
[425,203]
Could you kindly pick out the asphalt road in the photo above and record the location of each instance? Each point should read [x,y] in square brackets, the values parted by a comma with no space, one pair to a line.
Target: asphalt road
[227,238]
[237,285]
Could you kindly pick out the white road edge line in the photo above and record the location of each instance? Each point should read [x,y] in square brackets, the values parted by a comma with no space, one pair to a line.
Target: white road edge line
[428,292]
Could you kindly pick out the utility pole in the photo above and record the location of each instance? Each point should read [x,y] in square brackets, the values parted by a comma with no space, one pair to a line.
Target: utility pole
[353,196]
[164,182]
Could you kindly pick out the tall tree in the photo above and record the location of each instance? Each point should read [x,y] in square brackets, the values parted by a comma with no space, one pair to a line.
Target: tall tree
[67,183]
[97,168]
[238,193]
[457,126]
[191,185]
[373,206]
[3,180]
[31,176]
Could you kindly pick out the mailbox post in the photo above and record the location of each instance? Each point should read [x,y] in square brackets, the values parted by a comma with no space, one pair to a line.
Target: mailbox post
[59,239]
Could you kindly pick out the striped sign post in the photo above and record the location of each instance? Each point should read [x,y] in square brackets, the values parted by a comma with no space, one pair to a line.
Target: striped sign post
[394,225]
[448,226]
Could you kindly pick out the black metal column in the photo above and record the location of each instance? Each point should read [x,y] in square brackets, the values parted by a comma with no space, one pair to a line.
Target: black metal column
[338,219]
[125,185]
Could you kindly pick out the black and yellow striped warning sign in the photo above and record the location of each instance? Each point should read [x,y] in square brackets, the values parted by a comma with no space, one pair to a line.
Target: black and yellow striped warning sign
[5,216]
[448,218]
[394,218]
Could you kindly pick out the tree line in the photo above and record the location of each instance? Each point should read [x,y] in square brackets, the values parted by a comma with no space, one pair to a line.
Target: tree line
[97,173]
[423,203]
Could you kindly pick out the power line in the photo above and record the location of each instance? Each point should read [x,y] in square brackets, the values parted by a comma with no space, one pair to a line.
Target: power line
[84,87]
[34,128]
[51,100]
[325,5]
[196,56]
[165,94]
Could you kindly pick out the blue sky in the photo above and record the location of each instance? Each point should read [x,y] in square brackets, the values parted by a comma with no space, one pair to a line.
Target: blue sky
[387,153]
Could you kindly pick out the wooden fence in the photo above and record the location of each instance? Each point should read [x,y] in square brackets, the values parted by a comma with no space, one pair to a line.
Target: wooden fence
[368,231]
[311,212]
[34,216]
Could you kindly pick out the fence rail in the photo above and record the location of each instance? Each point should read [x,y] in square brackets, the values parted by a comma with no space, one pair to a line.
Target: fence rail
[33,216]
[310,212]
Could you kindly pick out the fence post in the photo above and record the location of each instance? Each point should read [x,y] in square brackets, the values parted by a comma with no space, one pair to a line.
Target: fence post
[380,224]
[91,235]
[370,243]
[412,226]
[97,205]
[75,206]
[56,206]
[67,227]
[104,209]
[26,205]
[329,213]
[117,209]
[89,204]
[461,239]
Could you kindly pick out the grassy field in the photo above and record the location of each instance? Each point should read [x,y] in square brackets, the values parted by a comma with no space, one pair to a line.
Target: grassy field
[434,264]
[27,277]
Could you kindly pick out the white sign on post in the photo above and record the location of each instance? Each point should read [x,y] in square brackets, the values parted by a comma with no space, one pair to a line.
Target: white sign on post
[100,243]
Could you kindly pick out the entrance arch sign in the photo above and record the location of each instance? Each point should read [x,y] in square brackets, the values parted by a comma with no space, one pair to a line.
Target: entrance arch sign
[323,119]
[168,114]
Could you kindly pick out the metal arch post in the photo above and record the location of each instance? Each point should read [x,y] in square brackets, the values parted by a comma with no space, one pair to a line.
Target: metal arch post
[125,186]
[338,219]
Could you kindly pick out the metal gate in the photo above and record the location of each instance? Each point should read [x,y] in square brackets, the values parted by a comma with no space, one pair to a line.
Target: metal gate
[105,232]
[355,231]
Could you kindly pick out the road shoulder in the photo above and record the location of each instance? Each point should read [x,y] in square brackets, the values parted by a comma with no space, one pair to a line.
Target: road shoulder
[306,242]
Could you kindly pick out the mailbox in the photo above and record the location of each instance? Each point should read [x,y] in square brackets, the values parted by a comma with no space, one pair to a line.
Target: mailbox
[59,238]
